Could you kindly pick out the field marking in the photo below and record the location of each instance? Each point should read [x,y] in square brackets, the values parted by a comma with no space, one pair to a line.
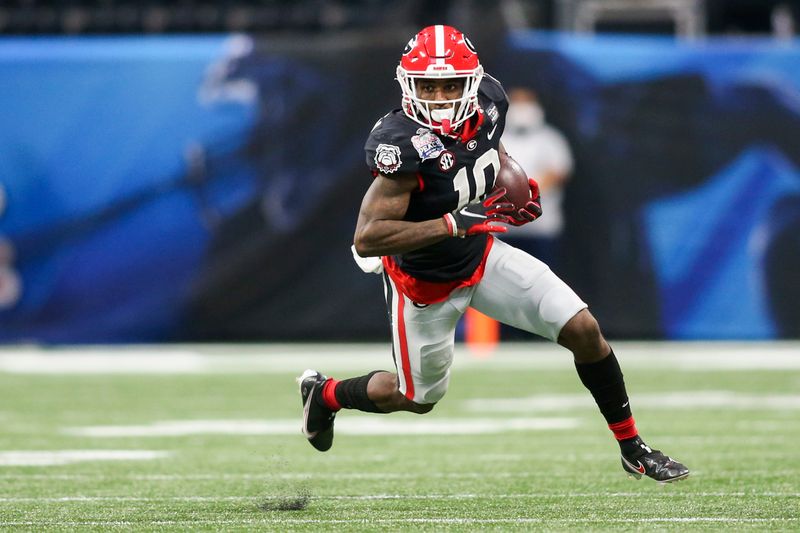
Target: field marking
[695,399]
[288,358]
[145,361]
[359,425]
[64,457]
[320,475]
[267,477]
[381,521]
[526,520]
[389,497]
[525,495]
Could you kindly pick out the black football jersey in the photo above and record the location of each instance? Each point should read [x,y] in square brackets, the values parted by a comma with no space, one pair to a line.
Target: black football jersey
[453,172]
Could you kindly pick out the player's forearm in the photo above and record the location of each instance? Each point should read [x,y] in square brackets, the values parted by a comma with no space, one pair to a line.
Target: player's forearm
[392,237]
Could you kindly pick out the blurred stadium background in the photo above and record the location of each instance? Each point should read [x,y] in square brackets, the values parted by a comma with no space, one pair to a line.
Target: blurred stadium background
[189,171]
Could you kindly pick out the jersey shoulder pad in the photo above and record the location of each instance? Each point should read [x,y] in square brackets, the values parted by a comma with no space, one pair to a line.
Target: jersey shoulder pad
[492,97]
[389,147]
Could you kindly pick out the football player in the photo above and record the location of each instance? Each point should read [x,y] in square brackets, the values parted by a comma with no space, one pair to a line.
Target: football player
[429,216]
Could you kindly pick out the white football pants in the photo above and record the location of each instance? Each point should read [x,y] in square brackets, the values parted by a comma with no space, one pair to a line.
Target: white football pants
[516,289]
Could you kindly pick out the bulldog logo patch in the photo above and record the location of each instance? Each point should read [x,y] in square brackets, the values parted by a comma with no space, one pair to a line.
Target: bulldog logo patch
[387,158]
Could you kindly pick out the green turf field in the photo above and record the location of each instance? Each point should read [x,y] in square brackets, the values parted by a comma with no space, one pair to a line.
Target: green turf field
[176,440]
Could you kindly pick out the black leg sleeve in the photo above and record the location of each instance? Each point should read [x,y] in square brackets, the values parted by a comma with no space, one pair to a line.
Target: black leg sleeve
[352,393]
[604,381]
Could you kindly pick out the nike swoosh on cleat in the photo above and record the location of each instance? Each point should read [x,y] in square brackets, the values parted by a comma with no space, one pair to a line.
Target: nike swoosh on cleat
[306,432]
[639,468]
[306,407]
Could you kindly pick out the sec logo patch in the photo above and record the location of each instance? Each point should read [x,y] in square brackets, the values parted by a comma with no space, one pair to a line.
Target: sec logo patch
[446,161]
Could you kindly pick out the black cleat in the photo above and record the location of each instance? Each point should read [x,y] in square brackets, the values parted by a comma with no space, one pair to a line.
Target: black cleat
[652,463]
[317,420]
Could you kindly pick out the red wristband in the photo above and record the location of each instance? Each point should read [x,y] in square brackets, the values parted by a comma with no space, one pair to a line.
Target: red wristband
[450,220]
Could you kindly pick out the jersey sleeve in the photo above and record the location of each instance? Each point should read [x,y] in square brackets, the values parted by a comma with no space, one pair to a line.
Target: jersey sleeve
[494,101]
[389,149]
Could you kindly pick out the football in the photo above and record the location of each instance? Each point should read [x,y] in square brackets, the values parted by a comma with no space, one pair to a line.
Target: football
[515,180]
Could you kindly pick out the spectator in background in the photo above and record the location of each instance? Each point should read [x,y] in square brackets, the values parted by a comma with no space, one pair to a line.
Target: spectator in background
[545,155]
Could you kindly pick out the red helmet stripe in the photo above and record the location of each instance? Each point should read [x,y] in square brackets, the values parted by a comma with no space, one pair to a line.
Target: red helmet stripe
[438,37]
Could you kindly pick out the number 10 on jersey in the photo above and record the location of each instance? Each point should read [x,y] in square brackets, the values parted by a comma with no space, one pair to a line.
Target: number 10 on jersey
[475,180]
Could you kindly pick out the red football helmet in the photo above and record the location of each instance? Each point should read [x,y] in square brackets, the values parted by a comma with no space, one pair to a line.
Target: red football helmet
[439,52]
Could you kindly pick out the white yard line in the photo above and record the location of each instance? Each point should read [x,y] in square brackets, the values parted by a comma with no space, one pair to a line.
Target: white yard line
[525,520]
[390,521]
[695,399]
[259,477]
[323,475]
[288,358]
[64,457]
[466,496]
[359,425]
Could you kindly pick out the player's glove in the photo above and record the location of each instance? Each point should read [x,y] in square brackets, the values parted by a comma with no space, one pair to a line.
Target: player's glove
[480,217]
[532,210]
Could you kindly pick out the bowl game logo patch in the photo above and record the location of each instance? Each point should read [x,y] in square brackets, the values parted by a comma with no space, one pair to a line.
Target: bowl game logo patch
[428,145]
[493,113]
[387,158]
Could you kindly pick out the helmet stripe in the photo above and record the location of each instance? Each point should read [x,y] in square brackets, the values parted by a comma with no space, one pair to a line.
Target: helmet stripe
[439,41]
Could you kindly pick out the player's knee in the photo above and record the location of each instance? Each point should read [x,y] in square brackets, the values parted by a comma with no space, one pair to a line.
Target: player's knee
[581,328]
[582,336]
[383,386]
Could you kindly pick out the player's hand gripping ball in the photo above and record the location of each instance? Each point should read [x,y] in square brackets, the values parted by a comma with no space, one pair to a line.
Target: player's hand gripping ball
[520,191]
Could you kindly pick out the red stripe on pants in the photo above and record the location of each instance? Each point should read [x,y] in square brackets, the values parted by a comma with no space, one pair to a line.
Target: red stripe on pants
[401,333]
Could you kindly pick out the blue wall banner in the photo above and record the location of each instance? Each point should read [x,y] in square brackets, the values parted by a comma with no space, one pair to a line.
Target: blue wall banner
[683,217]
[207,188]
[104,147]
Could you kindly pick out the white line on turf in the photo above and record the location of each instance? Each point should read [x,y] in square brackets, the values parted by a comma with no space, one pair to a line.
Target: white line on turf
[63,457]
[322,476]
[377,521]
[293,475]
[359,425]
[694,399]
[467,496]
[108,361]
[283,358]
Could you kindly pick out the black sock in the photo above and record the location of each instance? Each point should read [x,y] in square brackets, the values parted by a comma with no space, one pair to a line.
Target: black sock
[352,393]
[604,380]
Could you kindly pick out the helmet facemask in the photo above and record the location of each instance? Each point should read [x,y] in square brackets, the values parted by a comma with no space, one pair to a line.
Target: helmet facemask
[441,120]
